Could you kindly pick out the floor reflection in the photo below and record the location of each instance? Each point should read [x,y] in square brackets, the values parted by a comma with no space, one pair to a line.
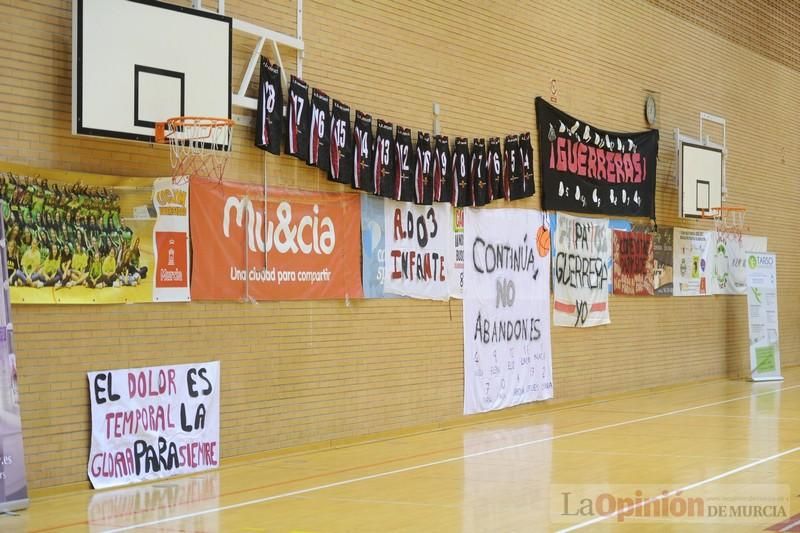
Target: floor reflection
[120,507]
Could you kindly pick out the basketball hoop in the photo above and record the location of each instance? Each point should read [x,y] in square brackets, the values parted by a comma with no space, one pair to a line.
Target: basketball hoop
[199,146]
[728,221]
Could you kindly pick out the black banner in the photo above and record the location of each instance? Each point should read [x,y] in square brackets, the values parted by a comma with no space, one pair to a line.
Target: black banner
[588,170]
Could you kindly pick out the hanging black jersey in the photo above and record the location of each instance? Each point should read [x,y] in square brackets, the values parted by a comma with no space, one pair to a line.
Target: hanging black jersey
[524,187]
[362,159]
[442,170]
[269,117]
[298,119]
[319,151]
[513,170]
[341,170]
[383,156]
[494,168]
[423,177]
[404,166]
[460,196]
[479,182]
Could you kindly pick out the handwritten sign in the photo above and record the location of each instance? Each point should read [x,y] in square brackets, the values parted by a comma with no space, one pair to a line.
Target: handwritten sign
[589,170]
[507,357]
[633,263]
[418,249]
[614,224]
[580,271]
[154,422]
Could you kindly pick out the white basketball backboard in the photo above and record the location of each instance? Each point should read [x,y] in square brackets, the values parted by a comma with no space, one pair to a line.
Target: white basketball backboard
[700,179]
[137,62]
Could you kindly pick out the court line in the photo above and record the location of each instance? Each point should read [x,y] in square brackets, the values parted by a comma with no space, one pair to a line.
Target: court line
[329,473]
[241,491]
[442,461]
[675,492]
[790,526]
[784,524]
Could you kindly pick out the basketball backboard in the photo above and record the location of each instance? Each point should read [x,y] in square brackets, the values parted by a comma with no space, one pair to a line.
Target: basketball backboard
[700,179]
[138,62]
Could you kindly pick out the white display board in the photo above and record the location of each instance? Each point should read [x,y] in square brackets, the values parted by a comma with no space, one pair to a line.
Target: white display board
[762,313]
[701,179]
[140,62]
[507,356]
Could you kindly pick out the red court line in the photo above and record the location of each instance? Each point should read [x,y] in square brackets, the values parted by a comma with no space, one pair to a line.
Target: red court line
[570,308]
[242,491]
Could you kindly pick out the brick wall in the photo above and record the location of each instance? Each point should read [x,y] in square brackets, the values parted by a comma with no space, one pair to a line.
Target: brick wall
[304,372]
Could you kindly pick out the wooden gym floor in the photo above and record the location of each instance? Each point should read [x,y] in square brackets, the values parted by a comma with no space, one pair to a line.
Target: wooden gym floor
[717,447]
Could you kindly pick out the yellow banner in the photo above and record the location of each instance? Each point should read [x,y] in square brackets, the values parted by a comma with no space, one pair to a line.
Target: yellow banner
[77,238]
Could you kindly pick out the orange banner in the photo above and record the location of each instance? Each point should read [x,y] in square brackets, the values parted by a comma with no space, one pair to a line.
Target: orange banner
[309,248]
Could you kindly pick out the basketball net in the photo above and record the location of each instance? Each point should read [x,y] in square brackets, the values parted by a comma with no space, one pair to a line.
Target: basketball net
[199,146]
[729,222]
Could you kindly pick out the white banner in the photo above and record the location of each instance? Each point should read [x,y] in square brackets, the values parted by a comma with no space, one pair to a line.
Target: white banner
[762,313]
[729,274]
[580,271]
[171,241]
[419,249]
[691,262]
[457,263]
[507,358]
[154,422]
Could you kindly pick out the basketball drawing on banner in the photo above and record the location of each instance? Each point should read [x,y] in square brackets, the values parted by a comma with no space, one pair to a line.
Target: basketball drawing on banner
[633,263]
[419,249]
[692,252]
[589,170]
[507,356]
[457,263]
[580,271]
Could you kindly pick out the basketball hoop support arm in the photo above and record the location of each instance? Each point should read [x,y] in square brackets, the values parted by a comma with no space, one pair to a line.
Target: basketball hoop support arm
[239,98]
[707,117]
